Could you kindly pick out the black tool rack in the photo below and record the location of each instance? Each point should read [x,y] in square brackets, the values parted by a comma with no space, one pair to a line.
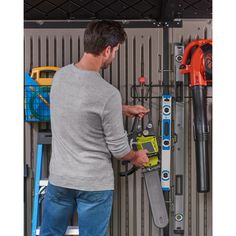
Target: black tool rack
[178,88]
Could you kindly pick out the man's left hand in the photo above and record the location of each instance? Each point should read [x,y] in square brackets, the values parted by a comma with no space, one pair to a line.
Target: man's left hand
[134,110]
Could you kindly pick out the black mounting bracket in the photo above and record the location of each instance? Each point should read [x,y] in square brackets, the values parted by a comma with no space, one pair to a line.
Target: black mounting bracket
[41,24]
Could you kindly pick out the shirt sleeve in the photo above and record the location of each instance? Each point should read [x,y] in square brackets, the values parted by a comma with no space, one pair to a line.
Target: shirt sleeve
[112,121]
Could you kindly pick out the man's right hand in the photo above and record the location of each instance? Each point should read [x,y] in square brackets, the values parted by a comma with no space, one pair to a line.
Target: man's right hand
[140,158]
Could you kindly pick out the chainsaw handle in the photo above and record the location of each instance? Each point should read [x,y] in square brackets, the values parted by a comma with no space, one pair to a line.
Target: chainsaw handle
[129,172]
[134,168]
[149,155]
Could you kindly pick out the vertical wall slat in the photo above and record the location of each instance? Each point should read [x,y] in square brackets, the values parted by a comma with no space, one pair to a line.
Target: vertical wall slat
[59,55]
[187,189]
[194,210]
[67,51]
[43,54]
[138,174]
[123,181]
[147,54]
[138,201]
[28,51]
[131,204]
[116,202]
[51,56]
[75,48]
[28,147]
[28,183]
[35,58]
[208,206]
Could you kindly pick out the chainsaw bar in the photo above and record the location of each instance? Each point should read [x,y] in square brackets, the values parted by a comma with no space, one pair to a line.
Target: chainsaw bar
[156,198]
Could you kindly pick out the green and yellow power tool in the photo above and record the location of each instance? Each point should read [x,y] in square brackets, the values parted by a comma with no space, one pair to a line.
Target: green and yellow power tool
[149,141]
[143,139]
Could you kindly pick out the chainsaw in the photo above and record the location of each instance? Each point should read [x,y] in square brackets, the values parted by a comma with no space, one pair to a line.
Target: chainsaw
[140,139]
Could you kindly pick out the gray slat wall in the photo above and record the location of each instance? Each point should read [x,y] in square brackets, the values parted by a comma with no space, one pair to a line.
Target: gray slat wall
[131,213]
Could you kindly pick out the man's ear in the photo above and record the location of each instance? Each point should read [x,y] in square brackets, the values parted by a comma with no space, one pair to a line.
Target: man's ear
[106,51]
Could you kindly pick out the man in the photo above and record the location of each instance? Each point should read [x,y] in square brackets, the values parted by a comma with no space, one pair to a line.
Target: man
[87,127]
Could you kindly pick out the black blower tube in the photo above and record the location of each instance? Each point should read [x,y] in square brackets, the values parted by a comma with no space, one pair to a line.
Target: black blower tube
[201,134]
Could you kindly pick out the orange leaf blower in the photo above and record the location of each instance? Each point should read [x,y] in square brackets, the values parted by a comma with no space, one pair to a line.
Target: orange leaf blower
[200,70]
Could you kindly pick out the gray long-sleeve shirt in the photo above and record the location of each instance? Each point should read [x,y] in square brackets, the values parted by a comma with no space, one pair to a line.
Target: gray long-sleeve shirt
[87,126]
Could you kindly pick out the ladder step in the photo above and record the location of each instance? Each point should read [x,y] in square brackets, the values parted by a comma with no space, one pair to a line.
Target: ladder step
[71,230]
[43,182]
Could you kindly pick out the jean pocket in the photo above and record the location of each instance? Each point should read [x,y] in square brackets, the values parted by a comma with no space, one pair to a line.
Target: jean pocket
[56,192]
[98,196]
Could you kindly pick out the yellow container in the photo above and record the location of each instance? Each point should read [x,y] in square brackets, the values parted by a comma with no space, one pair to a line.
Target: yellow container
[44,75]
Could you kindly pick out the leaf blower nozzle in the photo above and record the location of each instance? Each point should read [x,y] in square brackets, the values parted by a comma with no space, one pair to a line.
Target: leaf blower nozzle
[201,134]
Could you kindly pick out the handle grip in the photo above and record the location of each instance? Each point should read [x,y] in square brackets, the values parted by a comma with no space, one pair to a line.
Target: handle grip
[134,168]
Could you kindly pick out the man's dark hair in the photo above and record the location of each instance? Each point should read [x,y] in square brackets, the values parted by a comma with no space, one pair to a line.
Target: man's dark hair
[101,34]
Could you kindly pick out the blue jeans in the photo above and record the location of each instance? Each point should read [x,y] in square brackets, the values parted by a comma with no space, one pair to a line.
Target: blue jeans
[93,207]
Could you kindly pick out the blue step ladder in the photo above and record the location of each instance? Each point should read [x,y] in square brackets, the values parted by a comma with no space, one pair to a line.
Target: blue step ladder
[44,138]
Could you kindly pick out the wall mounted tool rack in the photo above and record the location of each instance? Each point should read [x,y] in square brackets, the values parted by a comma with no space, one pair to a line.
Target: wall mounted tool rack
[135,93]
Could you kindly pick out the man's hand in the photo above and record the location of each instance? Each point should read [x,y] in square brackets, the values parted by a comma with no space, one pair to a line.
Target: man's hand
[132,111]
[140,158]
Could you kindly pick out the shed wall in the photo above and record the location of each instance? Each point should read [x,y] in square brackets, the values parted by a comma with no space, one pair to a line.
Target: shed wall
[131,214]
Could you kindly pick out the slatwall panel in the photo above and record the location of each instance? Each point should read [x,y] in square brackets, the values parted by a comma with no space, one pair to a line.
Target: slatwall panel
[131,213]
[198,205]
